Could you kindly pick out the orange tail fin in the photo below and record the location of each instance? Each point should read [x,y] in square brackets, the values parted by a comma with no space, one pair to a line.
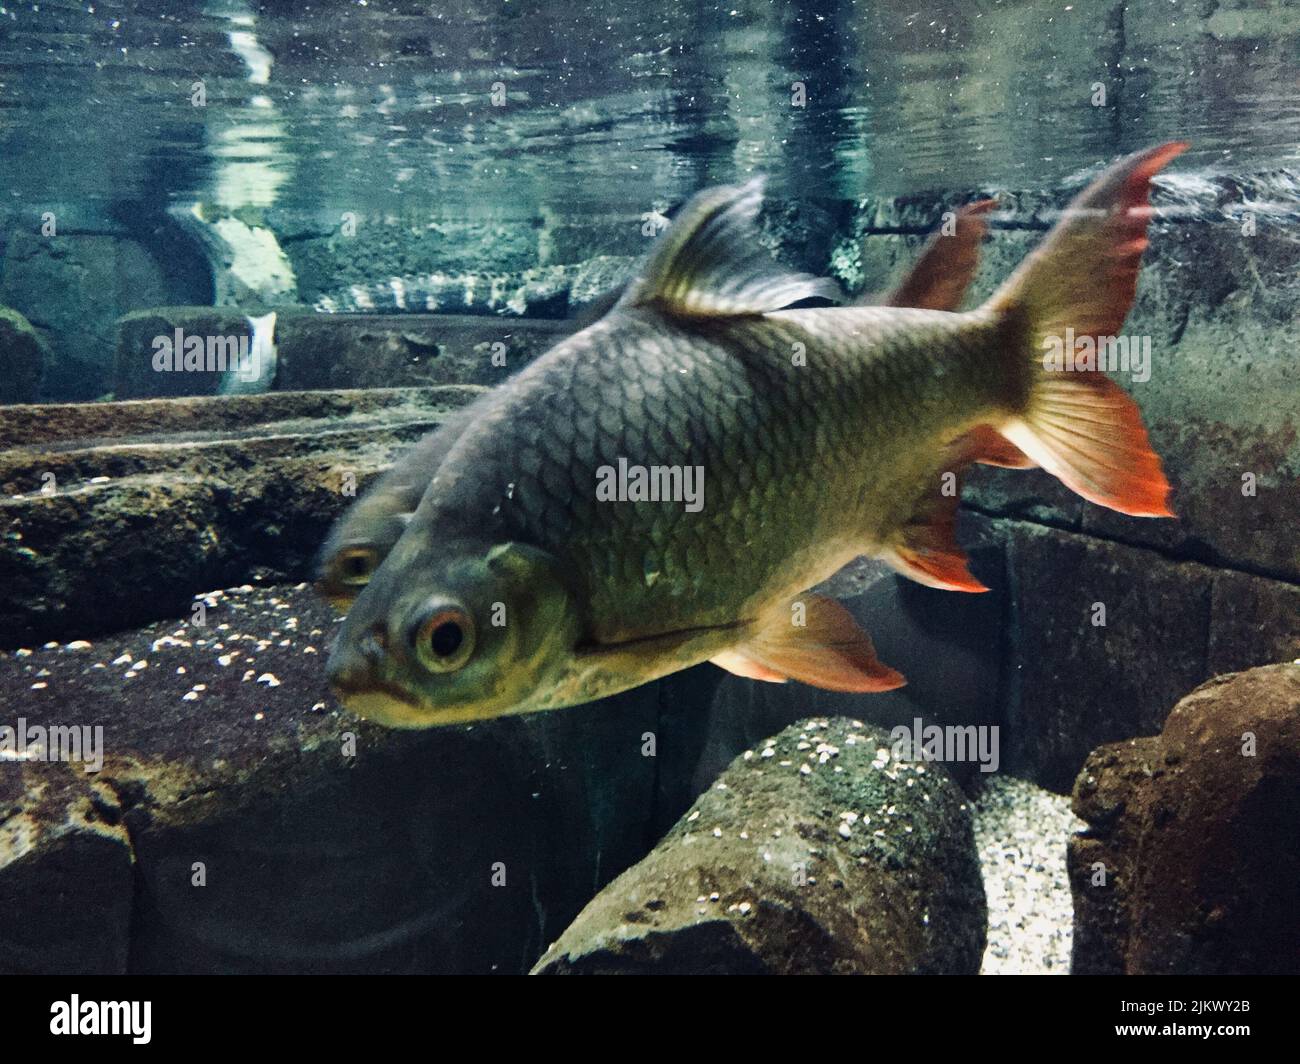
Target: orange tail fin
[1080,426]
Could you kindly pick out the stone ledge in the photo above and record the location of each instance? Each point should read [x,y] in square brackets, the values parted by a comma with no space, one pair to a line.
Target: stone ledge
[156,501]
[331,351]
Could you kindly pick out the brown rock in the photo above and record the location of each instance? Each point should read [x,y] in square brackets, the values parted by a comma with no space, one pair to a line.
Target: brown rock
[65,869]
[1191,863]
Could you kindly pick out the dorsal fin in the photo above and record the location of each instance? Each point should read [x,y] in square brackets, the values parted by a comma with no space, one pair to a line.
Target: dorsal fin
[940,276]
[710,263]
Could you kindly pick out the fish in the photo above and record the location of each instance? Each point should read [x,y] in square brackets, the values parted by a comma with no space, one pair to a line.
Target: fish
[823,433]
[361,538]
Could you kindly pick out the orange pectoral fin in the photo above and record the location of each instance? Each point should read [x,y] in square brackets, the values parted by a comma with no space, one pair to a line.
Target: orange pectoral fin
[827,650]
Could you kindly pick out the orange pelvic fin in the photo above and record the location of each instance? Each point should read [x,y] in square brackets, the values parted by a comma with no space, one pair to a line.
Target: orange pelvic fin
[826,650]
[736,663]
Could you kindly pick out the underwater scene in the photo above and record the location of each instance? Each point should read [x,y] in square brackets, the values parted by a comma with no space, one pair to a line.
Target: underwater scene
[769,487]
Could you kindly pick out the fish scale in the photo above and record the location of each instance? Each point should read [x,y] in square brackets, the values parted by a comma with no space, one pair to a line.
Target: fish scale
[786,452]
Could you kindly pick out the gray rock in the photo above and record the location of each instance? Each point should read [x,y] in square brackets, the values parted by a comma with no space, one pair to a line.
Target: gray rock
[1168,626]
[1191,862]
[75,287]
[810,854]
[116,513]
[1253,621]
[24,355]
[327,351]
[1078,683]
[368,351]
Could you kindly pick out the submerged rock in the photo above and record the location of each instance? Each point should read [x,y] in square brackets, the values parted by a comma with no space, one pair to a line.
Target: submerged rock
[113,514]
[815,852]
[317,351]
[241,823]
[1099,656]
[75,287]
[1191,863]
[23,357]
[65,869]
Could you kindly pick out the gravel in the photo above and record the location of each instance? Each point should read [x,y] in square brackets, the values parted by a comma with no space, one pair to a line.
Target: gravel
[1021,831]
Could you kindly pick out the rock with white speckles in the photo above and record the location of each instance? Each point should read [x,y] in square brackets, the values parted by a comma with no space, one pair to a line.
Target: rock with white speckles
[772,876]
[328,844]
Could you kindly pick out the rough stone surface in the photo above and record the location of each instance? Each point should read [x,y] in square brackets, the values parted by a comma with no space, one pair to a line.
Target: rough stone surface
[23,357]
[1253,621]
[75,286]
[115,514]
[327,351]
[323,844]
[815,852]
[1080,683]
[1168,627]
[1197,836]
[65,870]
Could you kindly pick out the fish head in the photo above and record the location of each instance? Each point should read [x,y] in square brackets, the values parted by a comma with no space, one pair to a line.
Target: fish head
[355,549]
[483,631]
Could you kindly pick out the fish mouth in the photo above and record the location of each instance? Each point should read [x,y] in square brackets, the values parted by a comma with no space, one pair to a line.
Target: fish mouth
[341,598]
[381,701]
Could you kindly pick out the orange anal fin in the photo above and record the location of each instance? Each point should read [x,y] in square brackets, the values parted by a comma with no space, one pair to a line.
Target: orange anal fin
[826,650]
[738,664]
[988,446]
[926,548]
[944,568]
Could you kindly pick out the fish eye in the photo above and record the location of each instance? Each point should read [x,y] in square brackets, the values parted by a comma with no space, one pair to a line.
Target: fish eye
[357,564]
[444,639]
